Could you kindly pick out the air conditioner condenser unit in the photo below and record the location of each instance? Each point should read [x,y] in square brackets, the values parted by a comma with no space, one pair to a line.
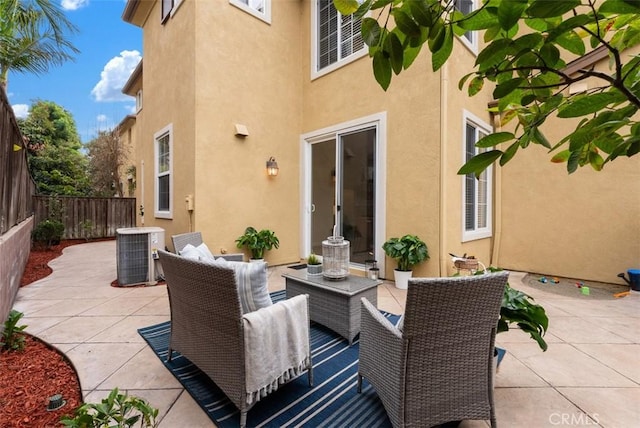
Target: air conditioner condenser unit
[137,255]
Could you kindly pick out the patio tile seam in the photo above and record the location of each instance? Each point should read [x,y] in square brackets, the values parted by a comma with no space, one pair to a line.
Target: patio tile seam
[605,364]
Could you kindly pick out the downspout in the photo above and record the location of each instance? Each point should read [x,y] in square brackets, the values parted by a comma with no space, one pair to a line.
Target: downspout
[142,190]
[497,198]
[444,105]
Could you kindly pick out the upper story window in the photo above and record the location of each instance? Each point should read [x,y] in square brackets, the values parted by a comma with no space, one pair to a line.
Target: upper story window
[477,191]
[167,8]
[466,7]
[258,8]
[138,100]
[336,39]
[163,193]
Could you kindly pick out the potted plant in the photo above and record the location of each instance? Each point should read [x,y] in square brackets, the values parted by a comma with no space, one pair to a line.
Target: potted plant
[258,242]
[314,265]
[407,251]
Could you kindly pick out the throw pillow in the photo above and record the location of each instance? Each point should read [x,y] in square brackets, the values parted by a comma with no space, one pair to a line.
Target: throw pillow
[253,288]
[201,252]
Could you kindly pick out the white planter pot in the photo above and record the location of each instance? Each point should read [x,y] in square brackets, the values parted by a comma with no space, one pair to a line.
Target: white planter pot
[314,269]
[402,278]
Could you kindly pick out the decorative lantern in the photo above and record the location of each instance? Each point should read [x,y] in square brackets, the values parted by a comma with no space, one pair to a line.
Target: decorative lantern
[371,269]
[335,258]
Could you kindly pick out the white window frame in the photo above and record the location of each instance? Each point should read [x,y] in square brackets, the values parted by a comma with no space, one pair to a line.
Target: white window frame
[138,100]
[175,4]
[379,122]
[245,5]
[485,231]
[166,131]
[315,72]
[470,43]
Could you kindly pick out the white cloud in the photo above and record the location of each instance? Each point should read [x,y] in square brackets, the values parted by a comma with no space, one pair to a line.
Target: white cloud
[73,4]
[114,75]
[101,118]
[21,110]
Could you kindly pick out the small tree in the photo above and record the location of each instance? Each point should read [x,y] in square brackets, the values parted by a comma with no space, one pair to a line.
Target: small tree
[107,157]
[529,44]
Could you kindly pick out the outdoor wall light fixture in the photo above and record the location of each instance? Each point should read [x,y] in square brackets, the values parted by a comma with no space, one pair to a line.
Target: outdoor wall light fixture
[272,167]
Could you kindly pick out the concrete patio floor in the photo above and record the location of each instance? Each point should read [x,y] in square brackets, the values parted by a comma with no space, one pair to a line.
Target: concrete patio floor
[590,376]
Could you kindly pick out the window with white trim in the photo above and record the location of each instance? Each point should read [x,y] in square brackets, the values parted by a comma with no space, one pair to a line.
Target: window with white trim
[168,8]
[466,7]
[163,155]
[477,191]
[138,100]
[337,38]
[258,8]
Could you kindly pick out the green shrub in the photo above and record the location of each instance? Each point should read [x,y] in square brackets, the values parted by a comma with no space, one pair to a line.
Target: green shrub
[48,232]
[11,339]
[116,411]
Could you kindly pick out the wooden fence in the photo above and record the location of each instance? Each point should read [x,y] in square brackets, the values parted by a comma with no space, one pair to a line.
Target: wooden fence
[86,217]
[16,185]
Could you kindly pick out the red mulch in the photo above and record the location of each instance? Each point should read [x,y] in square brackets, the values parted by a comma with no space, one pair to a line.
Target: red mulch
[30,377]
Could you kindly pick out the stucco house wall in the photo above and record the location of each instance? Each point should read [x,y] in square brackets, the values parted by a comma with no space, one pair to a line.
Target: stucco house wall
[212,66]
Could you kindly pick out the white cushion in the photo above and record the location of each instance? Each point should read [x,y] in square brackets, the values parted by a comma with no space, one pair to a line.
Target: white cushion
[201,252]
[253,288]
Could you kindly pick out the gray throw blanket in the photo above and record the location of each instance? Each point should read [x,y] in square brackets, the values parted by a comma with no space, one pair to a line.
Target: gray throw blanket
[276,342]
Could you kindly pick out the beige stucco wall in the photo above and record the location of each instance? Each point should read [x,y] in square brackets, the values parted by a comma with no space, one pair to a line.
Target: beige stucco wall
[168,99]
[249,75]
[585,225]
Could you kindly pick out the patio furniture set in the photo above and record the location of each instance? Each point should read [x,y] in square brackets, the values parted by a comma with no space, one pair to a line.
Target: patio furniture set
[435,366]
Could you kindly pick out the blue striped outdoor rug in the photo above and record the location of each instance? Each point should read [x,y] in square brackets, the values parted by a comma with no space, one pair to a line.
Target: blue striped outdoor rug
[332,402]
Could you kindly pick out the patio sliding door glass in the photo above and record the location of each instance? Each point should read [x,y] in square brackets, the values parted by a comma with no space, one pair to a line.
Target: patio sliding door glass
[343,191]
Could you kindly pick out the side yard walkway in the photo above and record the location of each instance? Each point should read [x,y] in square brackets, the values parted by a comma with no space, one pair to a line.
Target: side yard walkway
[589,376]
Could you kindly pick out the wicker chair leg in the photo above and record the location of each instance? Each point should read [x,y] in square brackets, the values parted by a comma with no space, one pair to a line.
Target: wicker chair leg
[310,375]
[359,383]
[243,419]
[169,355]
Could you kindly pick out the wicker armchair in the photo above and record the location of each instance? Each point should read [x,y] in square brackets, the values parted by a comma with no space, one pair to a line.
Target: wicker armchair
[439,367]
[195,239]
[208,328]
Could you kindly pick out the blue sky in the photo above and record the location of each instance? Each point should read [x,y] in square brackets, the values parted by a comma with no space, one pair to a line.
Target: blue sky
[89,87]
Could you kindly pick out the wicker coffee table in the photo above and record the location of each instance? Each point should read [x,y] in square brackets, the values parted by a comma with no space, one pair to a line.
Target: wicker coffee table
[334,304]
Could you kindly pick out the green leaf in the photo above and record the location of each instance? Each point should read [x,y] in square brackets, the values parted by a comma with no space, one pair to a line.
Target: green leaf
[596,161]
[371,31]
[507,87]
[479,20]
[393,46]
[475,85]
[494,139]
[479,163]
[549,9]
[572,42]
[620,6]
[410,54]
[573,162]
[405,23]
[346,7]
[510,11]
[493,53]
[441,55]
[586,105]
[382,69]
[562,156]
[539,138]
[421,12]
[437,36]
[509,153]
